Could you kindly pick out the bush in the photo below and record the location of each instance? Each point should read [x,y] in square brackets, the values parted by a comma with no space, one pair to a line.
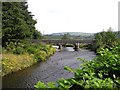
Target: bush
[105,39]
[41,56]
[19,50]
[31,50]
[14,47]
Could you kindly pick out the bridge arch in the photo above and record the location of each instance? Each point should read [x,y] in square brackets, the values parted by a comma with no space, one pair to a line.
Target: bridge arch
[61,42]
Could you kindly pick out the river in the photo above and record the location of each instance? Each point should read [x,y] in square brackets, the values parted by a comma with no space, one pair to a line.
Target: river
[50,70]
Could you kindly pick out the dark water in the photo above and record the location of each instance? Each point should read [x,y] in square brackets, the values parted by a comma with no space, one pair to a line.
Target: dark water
[50,70]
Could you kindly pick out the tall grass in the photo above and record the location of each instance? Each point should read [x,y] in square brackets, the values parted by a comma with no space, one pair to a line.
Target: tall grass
[12,63]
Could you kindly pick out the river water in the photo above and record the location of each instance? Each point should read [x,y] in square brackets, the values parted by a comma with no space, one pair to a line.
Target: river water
[50,70]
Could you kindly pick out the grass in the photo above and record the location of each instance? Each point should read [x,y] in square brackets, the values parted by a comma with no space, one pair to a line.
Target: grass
[12,62]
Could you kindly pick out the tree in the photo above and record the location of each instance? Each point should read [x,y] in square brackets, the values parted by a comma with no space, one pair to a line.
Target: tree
[105,39]
[17,22]
[66,36]
[118,34]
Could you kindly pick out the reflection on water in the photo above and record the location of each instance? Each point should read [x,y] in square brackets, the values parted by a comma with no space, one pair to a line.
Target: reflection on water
[55,47]
[64,48]
[68,49]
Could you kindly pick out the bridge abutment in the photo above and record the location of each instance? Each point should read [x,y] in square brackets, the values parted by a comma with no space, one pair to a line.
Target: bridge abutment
[76,46]
[60,46]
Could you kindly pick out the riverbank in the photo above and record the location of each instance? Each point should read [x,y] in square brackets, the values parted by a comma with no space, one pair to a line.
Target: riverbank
[32,54]
[50,70]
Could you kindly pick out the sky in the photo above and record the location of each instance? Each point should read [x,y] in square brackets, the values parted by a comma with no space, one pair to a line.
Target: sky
[90,16]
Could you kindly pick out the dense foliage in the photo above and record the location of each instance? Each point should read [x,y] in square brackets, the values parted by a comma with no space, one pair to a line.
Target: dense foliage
[105,39]
[17,22]
[66,36]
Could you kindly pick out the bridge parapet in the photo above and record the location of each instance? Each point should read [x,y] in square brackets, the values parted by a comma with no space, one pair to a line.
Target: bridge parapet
[67,41]
[62,41]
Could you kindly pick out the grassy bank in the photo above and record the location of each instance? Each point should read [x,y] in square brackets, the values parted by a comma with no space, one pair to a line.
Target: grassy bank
[12,62]
[16,57]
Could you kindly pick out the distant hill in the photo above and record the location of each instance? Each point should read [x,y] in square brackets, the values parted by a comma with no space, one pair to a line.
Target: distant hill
[73,34]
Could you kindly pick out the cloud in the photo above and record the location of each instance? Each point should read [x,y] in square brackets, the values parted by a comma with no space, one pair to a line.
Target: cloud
[75,15]
[54,11]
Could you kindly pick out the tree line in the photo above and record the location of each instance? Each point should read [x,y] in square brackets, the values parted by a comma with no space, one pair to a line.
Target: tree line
[17,22]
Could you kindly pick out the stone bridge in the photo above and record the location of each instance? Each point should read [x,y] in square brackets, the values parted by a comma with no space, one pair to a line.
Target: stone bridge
[60,43]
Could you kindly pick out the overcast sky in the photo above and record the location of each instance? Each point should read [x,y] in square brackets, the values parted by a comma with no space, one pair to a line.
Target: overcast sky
[89,16]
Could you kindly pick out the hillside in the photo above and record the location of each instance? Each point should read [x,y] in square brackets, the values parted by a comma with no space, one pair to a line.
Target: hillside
[73,34]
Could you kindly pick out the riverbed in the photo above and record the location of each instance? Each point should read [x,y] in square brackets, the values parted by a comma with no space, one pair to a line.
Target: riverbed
[50,70]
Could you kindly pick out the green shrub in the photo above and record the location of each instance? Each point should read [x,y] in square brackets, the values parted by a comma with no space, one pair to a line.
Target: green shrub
[105,39]
[19,50]
[31,50]
[41,56]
